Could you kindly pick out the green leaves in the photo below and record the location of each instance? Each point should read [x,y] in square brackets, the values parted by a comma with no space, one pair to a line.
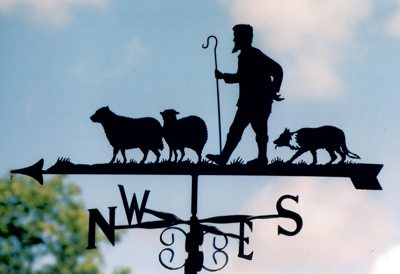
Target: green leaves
[48,220]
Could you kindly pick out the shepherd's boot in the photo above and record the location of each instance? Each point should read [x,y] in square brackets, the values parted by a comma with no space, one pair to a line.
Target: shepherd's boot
[223,158]
[262,159]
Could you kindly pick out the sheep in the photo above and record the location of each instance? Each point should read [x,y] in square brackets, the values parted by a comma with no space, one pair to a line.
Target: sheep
[190,132]
[127,133]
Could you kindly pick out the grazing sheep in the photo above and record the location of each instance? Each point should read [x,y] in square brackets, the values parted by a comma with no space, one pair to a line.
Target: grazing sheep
[126,133]
[188,132]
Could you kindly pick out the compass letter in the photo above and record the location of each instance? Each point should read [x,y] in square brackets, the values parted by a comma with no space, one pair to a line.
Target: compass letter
[243,240]
[95,217]
[284,213]
[129,210]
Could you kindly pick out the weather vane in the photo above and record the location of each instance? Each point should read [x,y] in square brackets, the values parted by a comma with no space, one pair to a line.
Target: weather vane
[259,78]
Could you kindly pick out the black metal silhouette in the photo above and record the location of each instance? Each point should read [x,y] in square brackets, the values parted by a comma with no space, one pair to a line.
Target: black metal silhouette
[190,132]
[197,228]
[216,79]
[259,79]
[127,133]
[363,176]
[310,139]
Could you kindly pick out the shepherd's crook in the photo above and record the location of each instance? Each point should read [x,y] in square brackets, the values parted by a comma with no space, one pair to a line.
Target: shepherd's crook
[216,67]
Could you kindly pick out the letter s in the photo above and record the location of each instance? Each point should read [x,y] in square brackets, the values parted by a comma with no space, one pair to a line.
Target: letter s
[284,213]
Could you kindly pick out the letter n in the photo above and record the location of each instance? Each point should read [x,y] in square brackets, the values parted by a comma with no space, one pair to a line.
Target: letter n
[108,229]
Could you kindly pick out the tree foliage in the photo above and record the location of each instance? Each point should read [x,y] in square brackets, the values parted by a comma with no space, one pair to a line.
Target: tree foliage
[47,222]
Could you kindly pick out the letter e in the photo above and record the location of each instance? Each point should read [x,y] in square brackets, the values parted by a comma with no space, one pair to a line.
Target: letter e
[243,240]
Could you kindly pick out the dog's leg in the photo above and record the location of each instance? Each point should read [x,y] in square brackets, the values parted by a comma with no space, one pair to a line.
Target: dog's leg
[333,156]
[297,154]
[314,155]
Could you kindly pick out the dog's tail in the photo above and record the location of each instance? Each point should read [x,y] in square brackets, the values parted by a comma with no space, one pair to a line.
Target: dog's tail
[352,155]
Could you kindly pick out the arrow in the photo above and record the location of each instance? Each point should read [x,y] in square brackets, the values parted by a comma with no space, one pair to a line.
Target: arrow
[363,176]
[34,171]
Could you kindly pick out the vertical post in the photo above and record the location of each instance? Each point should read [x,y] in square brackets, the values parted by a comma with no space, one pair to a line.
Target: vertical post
[194,239]
[195,183]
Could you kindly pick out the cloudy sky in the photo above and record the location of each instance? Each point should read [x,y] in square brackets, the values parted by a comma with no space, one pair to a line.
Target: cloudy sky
[61,60]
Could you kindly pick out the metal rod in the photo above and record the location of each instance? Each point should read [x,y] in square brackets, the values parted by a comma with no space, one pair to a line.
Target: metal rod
[194,194]
[194,238]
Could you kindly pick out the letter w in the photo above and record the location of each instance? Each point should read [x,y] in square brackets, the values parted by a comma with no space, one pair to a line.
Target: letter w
[129,210]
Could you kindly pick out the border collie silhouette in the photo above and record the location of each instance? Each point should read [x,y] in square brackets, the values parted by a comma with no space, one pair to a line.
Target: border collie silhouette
[128,133]
[310,139]
[190,132]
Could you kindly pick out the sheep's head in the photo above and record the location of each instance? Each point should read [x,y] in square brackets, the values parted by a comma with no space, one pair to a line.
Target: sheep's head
[100,115]
[169,114]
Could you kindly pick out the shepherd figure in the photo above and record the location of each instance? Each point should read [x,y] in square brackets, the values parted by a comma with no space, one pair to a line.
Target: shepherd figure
[259,78]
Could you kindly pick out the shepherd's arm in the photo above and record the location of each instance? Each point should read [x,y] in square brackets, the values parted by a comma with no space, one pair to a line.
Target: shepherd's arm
[229,78]
[277,74]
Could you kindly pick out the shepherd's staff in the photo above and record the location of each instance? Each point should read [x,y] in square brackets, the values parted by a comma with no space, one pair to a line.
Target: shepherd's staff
[216,67]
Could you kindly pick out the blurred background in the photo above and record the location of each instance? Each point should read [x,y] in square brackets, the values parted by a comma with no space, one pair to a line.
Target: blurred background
[62,60]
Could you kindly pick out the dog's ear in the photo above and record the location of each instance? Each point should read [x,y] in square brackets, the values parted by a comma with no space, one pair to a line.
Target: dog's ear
[287,130]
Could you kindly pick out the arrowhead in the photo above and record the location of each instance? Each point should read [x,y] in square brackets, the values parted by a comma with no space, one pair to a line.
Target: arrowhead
[34,171]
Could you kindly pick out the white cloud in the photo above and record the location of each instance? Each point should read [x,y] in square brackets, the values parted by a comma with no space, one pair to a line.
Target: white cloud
[134,52]
[54,12]
[392,27]
[389,263]
[344,229]
[131,56]
[307,35]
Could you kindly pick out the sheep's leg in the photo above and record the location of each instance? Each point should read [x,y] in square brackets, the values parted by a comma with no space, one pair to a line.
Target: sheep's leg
[157,153]
[176,155]
[115,152]
[123,155]
[145,152]
[182,150]
[170,154]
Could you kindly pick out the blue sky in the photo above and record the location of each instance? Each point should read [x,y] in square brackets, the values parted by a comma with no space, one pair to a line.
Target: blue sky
[62,60]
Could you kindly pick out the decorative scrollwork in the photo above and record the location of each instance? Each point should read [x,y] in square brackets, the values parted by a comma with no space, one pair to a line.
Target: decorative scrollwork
[219,250]
[169,249]
[172,257]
